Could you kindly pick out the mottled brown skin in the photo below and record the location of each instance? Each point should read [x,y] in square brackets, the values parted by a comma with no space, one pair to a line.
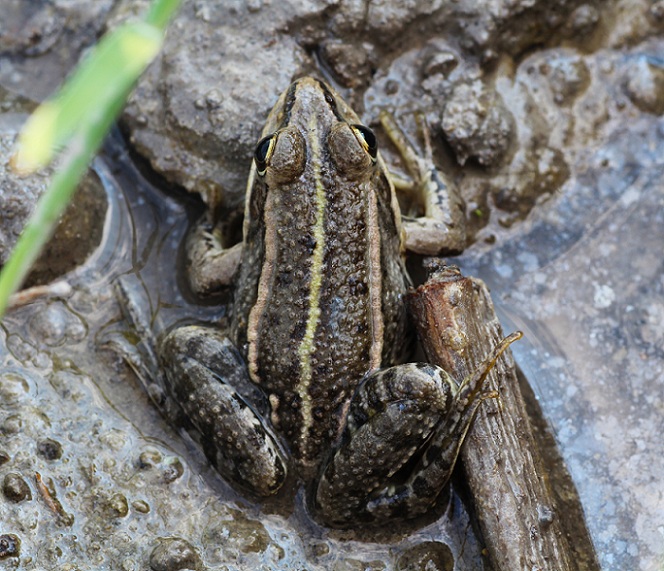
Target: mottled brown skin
[346,330]
[318,315]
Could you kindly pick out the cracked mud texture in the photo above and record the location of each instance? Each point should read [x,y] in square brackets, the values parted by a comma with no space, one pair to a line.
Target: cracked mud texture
[547,114]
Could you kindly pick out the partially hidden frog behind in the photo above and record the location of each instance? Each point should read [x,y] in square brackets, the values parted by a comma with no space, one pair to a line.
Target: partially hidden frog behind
[308,378]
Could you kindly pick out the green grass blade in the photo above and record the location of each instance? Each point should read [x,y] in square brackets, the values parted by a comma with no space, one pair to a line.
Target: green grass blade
[161,12]
[103,77]
[78,118]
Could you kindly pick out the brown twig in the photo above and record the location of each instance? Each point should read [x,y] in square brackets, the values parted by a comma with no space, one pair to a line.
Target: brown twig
[47,492]
[519,518]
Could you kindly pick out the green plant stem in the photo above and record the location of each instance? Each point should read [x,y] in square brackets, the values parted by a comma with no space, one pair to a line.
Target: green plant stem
[50,207]
[80,116]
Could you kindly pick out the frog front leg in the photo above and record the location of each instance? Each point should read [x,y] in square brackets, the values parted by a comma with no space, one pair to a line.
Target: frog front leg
[211,265]
[206,375]
[405,427]
[440,226]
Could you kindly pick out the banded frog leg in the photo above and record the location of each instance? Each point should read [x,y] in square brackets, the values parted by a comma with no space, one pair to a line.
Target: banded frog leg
[440,227]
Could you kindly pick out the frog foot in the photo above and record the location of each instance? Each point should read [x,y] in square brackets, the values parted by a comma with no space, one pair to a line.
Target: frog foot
[440,226]
[136,343]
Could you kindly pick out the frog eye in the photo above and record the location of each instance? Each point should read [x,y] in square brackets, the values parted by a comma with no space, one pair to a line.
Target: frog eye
[281,156]
[263,152]
[367,139]
[352,149]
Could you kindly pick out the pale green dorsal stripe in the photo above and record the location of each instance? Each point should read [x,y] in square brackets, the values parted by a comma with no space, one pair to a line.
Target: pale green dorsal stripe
[306,347]
[375,282]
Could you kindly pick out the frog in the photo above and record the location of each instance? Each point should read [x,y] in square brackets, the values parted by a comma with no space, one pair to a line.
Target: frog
[312,379]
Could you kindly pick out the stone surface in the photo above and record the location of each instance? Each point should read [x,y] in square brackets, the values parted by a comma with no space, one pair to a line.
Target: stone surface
[568,228]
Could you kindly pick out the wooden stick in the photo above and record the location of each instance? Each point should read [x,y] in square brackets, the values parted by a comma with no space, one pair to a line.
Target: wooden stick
[521,523]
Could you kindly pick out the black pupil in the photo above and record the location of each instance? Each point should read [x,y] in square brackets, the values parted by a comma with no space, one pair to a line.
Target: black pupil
[261,150]
[368,136]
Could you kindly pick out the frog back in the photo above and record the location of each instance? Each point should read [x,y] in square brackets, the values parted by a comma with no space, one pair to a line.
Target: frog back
[319,297]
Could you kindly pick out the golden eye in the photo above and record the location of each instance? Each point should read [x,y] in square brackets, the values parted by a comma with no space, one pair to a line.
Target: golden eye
[367,139]
[263,152]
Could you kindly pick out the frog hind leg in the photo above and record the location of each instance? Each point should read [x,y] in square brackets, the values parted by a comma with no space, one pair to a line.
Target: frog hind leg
[208,378]
[405,428]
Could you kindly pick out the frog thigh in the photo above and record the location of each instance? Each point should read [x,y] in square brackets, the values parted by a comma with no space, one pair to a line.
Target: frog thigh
[405,428]
[391,420]
[207,377]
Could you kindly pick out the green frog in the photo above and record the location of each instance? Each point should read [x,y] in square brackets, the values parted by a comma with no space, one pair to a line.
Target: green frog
[311,376]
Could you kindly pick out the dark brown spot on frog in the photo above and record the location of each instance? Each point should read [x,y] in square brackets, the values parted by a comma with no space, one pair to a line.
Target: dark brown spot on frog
[357,286]
[257,201]
[288,105]
[322,369]
[239,401]
[272,320]
[331,101]
[361,328]
[432,453]
[284,278]
[298,330]
[420,486]
[309,242]
[291,400]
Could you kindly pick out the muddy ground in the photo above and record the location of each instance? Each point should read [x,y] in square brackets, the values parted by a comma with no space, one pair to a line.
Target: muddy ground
[548,117]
